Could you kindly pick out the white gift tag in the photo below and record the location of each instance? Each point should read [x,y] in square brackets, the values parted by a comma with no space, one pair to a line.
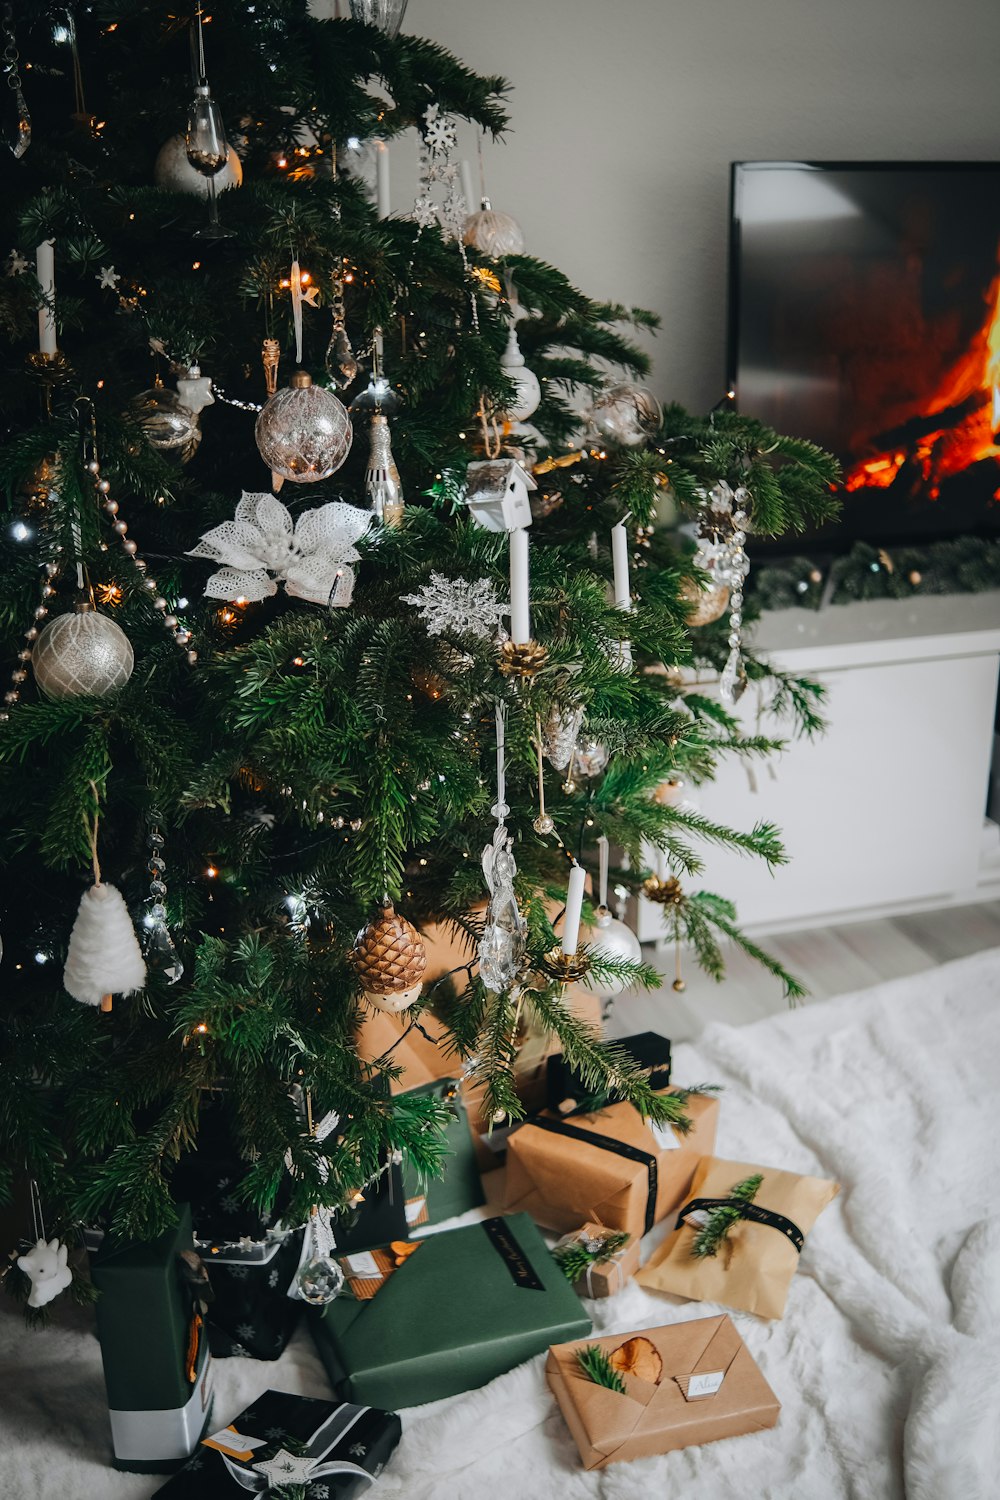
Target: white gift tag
[414,1208]
[363,1264]
[697,1387]
[665,1137]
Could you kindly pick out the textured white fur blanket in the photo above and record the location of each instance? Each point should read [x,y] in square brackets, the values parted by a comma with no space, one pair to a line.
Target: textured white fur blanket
[887,1361]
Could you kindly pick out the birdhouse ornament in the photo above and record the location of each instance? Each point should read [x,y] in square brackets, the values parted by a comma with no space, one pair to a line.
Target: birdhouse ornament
[496,492]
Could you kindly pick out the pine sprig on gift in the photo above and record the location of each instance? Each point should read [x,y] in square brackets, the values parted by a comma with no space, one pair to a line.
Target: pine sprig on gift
[574,1259]
[597,1367]
[721,1220]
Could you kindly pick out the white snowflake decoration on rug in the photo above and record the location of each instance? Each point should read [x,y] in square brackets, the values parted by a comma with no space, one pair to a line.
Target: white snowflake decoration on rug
[310,556]
[458,606]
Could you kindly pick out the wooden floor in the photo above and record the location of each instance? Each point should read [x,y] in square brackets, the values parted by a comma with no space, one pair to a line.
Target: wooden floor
[829,961]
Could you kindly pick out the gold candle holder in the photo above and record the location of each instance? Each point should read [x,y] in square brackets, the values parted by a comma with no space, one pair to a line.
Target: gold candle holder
[567,968]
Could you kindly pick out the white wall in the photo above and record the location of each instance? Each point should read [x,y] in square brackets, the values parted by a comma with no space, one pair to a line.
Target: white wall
[625,117]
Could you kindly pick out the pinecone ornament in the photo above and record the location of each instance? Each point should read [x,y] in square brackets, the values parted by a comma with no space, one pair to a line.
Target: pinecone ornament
[390,961]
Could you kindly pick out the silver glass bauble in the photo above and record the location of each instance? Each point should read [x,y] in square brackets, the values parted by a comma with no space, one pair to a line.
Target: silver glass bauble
[320,1281]
[589,756]
[82,655]
[625,415]
[613,940]
[387,15]
[170,426]
[492,233]
[303,433]
[174,172]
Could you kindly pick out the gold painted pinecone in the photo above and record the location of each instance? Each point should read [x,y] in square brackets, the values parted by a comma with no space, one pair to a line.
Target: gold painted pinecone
[667,892]
[388,954]
[522,658]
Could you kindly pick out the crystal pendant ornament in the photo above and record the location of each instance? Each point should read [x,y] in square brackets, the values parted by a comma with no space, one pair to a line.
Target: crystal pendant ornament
[383,485]
[303,432]
[387,15]
[502,945]
[341,363]
[319,1279]
[155,941]
[17,128]
[559,736]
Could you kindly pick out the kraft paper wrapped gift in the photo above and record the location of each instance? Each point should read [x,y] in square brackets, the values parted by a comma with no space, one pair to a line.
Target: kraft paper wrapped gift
[325,1448]
[465,1306]
[756,1261]
[688,1404]
[154,1347]
[612,1167]
[605,1277]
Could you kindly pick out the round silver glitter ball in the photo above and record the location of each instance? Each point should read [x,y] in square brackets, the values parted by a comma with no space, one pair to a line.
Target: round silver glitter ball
[83,655]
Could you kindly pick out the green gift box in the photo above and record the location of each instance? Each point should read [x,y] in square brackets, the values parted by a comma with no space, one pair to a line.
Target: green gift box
[157,1368]
[465,1306]
[435,1199]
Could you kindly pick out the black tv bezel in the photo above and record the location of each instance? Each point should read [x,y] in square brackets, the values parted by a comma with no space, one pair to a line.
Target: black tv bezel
[836,543]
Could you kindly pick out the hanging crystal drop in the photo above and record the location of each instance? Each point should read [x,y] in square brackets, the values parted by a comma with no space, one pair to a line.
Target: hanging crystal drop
[159,952]
[341,364]
[731,673]
[18,130]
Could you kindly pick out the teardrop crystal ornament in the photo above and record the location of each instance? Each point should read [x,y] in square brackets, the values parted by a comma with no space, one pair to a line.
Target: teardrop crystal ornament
[341,365]
[159,952]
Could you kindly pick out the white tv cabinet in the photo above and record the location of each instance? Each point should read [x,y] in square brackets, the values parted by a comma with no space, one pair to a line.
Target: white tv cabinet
[884,814]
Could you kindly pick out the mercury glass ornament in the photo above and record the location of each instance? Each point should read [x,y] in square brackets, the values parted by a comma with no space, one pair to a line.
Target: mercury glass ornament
[175,174]
[492,233]
[387,15]
[612,939]
[625,415]
[303,433]
[589,756]
[320,1281]
[82,655]
[705,605]
[170,426]
[383,485]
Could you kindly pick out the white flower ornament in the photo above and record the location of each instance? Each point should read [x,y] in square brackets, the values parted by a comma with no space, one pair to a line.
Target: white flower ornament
[311,556]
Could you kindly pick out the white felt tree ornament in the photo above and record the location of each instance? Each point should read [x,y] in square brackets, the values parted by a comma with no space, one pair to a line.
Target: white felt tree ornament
[104,956]
[45,1267]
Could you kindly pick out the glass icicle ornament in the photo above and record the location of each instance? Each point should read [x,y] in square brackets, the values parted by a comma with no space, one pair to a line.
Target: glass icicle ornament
[156,943]
[383,485]
[19,132]
[303,433]
[501,947]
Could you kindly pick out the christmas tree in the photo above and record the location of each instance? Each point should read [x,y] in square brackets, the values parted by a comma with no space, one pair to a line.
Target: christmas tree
[240,732]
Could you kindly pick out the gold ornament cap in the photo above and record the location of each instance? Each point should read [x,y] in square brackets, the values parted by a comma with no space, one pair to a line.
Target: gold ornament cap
[301,380]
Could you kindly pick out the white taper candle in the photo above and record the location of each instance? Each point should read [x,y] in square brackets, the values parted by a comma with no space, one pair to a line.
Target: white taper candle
[45,266]
[382,179]
[520,611]
[467,190]
[619,559]
[574,908]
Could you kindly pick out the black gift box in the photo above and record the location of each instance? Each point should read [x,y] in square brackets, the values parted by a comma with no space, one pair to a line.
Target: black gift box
[379,1218]
[209,1178]
[647,1048]
[329,1447]
[251,1313]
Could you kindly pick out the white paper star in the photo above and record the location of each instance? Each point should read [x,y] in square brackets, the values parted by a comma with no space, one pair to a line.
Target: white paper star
[107,278]
[310,556]
[285,1468]
[16,264]
[196,392]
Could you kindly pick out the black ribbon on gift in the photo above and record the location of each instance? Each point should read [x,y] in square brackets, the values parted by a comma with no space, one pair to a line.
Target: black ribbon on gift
[619,1148]
[507,1246]
[752,1211]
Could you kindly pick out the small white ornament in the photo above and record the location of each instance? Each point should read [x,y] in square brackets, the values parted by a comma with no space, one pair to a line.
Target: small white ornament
[104,956]
[107,278]
[195,390]
[492,233]
[613,939]
[529,391]
[46,1268]
[310,556]
[16,264]
[458,605]
[440,134]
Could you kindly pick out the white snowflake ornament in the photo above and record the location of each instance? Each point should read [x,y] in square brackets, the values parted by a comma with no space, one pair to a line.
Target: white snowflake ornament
[440,135]
[107,278]
[46,1268]
[458,605]
[310,556]
[16,264]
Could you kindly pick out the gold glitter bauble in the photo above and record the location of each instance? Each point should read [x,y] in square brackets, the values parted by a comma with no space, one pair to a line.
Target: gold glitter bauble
[707,605]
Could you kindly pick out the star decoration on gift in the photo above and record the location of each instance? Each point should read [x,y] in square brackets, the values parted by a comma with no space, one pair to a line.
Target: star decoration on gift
[440,135]
[263,546]
[107,278]
[357,1450]
[459,606]
[16,264]
[286,1468]
[245,1332]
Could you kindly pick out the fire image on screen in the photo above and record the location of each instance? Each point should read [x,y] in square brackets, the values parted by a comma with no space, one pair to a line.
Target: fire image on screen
[865,315]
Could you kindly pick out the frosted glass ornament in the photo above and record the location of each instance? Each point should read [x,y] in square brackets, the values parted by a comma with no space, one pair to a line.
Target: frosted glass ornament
[613,940]
[82,655]
[492,233]
[625,415]
[304,433]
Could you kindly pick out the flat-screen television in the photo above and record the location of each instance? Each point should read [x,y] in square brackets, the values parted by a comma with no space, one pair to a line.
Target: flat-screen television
[865,315]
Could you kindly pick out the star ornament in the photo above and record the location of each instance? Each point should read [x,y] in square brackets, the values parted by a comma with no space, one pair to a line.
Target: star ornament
[107,278]
[263,546]
[16,264]
[285,1468]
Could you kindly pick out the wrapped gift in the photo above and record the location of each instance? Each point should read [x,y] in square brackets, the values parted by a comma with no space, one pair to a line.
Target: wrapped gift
[738,1236]
[612,1167]
[427,1070]
[681,1385]
[597,1261]
[324,1447]
[250,1312]
[463,1307]
[378,1216]
[647,1049]
[157,1366]
[210,1178]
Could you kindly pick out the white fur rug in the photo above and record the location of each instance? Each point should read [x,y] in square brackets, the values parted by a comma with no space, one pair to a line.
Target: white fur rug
[887,1361]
